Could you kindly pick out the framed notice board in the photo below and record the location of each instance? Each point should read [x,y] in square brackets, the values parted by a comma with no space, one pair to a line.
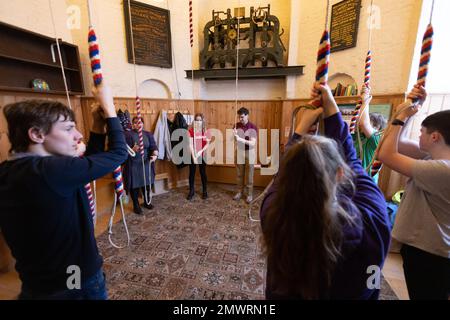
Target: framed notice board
[347,110]
[344,24]
[151,34]
[384,109]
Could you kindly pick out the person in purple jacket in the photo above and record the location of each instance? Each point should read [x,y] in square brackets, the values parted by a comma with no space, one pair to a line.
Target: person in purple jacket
[134,177]
[324,221]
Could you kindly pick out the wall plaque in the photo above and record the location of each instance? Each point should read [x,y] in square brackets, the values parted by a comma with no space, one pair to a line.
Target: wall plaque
[151,34]
[344,24]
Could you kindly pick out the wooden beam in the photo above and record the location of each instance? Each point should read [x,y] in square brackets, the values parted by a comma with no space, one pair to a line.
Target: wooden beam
[245,73]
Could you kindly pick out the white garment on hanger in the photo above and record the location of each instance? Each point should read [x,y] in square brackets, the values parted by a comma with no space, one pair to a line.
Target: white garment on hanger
[162,137]
[189,118]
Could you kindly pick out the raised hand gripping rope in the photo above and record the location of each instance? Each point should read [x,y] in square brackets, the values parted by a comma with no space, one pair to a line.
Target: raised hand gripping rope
[356,113]
[87,187]
[425,55]
[94,54]
[323,60]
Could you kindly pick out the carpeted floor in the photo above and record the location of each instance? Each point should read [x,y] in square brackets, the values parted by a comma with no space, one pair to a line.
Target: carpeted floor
[195,250]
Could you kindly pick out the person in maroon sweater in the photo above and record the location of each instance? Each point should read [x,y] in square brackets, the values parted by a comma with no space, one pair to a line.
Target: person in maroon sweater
[245,134]
[324,220]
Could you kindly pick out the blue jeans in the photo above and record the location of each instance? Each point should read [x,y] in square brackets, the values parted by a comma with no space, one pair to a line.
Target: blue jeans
[93,288]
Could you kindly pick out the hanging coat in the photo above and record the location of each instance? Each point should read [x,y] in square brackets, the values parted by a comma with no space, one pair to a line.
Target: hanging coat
[162,137]
[179,122]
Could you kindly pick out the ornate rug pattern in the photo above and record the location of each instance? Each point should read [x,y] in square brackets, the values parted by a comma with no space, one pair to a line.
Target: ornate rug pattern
[194,250]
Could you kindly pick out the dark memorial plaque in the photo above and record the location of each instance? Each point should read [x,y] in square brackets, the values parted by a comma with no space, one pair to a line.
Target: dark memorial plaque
[151,34]
[344,24]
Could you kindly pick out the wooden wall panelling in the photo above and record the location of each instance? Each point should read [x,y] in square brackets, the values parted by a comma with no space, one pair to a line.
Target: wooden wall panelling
[151,109]
[222,115]
[227,174]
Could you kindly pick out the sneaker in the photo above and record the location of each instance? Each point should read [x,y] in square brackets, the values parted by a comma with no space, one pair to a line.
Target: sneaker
[190,195]
[148,206]
[238,196]
[249,199]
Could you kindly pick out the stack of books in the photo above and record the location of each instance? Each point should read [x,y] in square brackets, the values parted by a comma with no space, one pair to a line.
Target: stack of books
[345,91]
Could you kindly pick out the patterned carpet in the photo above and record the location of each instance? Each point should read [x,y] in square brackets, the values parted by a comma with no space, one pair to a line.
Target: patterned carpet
[195,250]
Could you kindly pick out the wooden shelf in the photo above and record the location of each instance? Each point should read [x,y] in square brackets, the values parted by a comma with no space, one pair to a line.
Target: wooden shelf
[246,73]
[4,56]
[347,99]
[31,90]
[26,56]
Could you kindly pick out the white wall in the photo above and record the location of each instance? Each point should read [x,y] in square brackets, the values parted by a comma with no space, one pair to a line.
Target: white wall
[255,89]
[439,68]
[392,45]
[108,19]
[35,15]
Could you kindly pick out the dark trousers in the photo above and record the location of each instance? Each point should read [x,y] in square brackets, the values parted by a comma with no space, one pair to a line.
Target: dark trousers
[427,275]
[192,169]
[93,288]
[134,193]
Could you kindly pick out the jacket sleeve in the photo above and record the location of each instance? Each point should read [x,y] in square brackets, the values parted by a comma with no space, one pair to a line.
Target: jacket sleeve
[159,136]
[152,143]
[129,139]
[64,174]
[368,197]
[167,143]
[95,144]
